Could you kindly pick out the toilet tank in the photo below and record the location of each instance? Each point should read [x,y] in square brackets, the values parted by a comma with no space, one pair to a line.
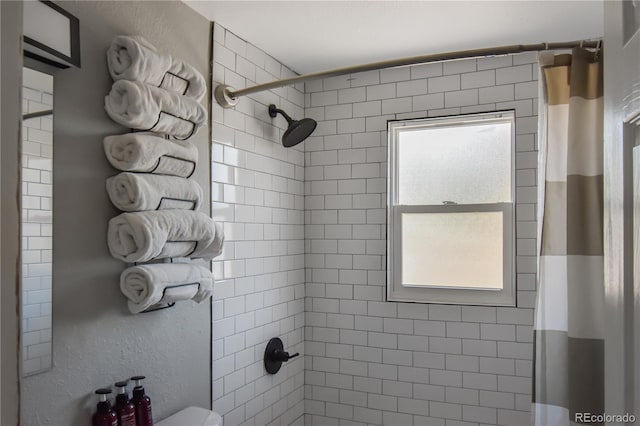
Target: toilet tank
[192,416]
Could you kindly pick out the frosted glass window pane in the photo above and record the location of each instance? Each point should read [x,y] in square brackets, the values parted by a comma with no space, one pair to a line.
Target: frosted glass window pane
[452,249]
[466,164]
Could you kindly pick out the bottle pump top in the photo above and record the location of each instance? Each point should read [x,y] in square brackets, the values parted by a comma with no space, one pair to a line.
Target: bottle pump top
[138,381]
[122,387]
[103,394]
[122,398]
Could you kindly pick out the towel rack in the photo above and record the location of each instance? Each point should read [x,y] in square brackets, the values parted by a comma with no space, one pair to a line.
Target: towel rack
[187,82]
[165,305]
[193,125]
[193,202]
[193,163]
[167,137]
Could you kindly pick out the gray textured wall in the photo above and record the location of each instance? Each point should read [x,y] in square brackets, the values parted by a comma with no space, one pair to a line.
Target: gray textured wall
[11,71]
[95,340]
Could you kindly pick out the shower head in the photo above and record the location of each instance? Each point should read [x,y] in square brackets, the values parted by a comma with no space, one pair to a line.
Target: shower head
[297,131]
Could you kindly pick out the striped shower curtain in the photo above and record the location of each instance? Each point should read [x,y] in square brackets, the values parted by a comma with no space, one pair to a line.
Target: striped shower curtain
[569,330]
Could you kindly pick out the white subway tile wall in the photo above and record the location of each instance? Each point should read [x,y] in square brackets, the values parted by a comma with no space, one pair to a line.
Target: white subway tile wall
[305,253]
[37,190]
[258,194]
[368,361]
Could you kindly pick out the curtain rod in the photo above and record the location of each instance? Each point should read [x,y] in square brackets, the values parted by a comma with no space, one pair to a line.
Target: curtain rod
[227,96]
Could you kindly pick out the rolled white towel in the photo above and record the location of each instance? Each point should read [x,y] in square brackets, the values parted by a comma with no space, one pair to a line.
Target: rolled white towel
[132,192]
[145,285]
[149,153]
[143,236]
[143,107]
[135,59]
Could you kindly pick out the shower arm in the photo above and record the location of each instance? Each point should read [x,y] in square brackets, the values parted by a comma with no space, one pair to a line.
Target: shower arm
[273,112]
[228,97]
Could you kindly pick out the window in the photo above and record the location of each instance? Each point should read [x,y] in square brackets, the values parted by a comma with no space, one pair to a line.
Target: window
[450,236]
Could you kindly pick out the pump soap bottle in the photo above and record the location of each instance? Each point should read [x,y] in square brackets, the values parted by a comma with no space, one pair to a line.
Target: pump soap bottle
[124,408]
[104,416]
[142,403]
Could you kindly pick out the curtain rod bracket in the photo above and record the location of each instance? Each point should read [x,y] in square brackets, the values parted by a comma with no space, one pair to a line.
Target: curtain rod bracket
[224,97]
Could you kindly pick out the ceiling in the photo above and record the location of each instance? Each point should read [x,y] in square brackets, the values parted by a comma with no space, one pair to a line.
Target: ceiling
[311,36]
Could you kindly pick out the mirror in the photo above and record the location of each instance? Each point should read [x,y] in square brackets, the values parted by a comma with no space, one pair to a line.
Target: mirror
[630,18]
[37,219]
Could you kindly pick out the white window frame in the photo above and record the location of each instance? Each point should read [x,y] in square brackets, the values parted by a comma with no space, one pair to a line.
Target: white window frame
[396,291]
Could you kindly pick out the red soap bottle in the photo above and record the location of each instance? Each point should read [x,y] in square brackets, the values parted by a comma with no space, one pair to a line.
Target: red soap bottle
[142,403]
[124,408]
[104,416]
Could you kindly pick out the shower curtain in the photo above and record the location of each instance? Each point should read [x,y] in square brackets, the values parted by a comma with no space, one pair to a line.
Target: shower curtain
[569,329]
